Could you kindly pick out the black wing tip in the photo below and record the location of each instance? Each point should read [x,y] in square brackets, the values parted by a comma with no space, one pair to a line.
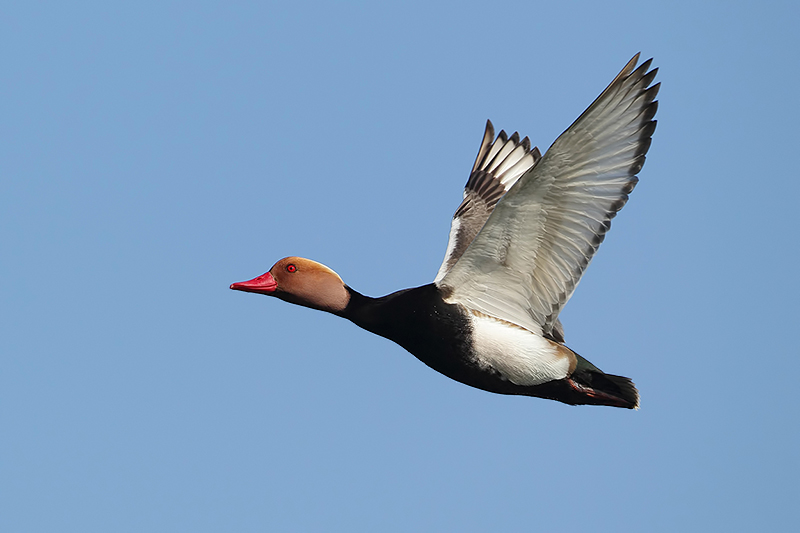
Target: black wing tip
[640,76]
[622,200]
[628,188]
[648,78]
[634,79]
[650,112]
[629,67]
[488,136]
[645,141]
[497,145]
[638,163]
[647,96]
[643,69]
[645,138]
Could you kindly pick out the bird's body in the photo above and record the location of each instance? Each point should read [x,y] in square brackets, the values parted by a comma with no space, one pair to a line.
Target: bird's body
[519,242]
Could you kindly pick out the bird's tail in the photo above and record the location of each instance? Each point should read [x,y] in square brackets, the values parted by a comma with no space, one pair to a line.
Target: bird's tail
[592,386]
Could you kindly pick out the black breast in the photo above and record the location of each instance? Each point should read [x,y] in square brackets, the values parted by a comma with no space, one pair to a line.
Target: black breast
[419,320]
[437,333]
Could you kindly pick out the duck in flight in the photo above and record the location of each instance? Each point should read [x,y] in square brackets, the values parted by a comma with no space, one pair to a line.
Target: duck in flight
[526,230]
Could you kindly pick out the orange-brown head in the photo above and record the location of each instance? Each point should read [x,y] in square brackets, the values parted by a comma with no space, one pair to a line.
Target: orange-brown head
[302,282]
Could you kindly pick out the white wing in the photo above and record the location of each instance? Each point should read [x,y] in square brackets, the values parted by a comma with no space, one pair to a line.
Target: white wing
[497,167]
[530,255]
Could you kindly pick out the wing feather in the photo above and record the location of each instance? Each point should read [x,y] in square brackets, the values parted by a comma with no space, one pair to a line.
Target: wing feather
[529,256]
[497,167]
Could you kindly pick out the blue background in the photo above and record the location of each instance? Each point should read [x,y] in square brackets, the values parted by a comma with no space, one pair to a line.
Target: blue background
[153,153]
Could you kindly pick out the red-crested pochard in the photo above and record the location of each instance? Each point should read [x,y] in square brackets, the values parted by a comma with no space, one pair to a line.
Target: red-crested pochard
[520,241]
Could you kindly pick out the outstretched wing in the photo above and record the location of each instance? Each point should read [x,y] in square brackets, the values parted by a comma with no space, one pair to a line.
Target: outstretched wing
[497,167]
[531,253]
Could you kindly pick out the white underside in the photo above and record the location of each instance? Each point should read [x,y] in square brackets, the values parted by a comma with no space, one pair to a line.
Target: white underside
[522,357]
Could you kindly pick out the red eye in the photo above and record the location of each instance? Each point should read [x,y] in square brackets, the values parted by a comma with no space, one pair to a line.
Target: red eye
[291,268]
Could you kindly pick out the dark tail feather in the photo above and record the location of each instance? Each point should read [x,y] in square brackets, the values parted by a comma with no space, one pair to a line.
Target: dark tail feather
[594,387]
[619,387]
[627,390]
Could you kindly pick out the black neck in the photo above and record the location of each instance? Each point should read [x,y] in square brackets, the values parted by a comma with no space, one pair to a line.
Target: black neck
[389,316]
[365,312]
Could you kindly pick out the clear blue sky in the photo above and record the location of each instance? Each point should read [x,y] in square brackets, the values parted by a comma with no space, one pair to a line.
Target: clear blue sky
[151,154]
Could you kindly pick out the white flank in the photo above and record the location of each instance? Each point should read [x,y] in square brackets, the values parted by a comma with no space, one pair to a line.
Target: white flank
[522,357]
